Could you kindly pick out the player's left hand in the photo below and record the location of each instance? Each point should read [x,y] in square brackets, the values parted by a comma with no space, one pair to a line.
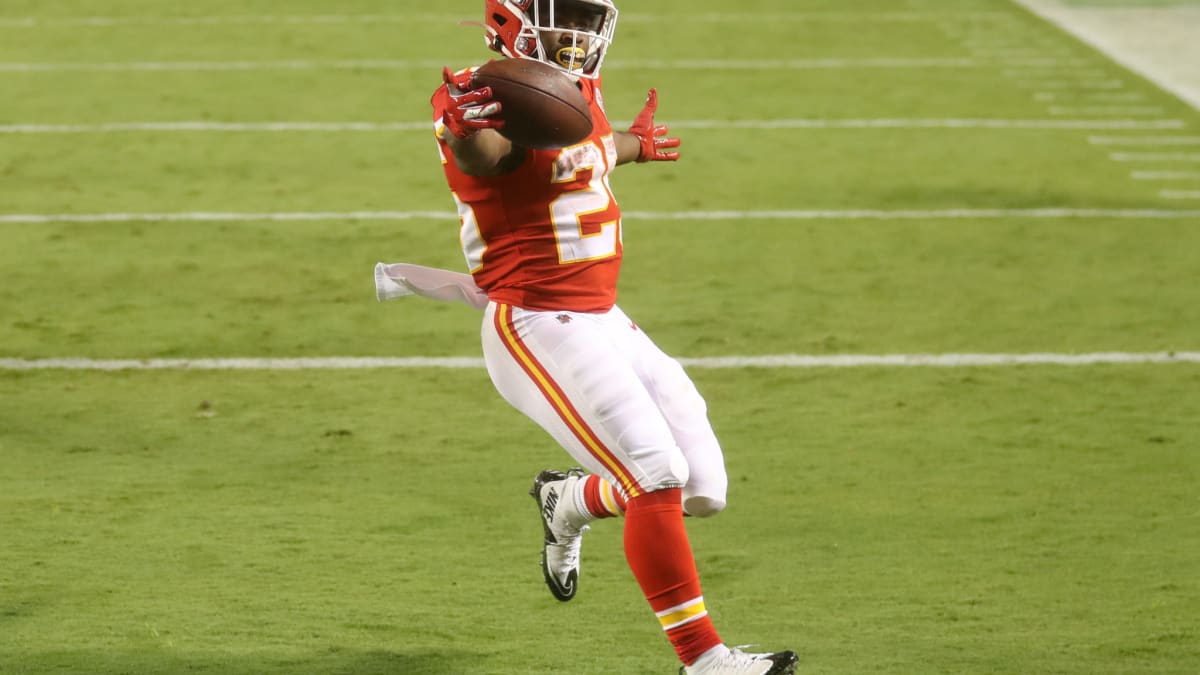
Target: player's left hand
[653,138]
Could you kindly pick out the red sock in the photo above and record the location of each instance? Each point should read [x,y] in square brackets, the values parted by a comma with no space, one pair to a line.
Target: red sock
[602,499]
[658,551]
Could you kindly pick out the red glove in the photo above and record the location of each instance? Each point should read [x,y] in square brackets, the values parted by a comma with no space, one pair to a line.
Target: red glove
[466,110]
[653,138]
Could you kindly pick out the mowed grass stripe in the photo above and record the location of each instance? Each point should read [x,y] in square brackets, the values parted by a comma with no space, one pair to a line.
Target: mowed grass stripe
[617,64]
[764,361]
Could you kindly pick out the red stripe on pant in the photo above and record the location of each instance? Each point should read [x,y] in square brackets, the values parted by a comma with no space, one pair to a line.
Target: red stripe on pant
[558,399]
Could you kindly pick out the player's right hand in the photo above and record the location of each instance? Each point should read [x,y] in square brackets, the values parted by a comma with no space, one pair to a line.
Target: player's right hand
[467,110]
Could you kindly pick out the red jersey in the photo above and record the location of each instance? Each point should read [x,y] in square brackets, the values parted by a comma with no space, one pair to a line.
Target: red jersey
[546,236]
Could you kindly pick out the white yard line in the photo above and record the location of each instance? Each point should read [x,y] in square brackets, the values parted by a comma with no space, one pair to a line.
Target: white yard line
[127,127]
[1105,110]
[197,126]
[1180,194]
[1053,73]
[1060,85]
[1031,55]
[427,64]
[450,19]
[226,20]
[354,64]
[1154,157]
[845,214]
[766,361]
[1123,97]
[932,124]
[1144,140]
[223,216]
[1165,175]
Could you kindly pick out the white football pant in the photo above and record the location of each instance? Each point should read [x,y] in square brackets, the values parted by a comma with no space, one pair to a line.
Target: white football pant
[620,406]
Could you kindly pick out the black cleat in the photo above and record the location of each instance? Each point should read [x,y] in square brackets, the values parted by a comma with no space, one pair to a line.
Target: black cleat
[562,541]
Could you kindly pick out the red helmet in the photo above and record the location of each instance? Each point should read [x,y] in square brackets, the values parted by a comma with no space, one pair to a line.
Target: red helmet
[571,35]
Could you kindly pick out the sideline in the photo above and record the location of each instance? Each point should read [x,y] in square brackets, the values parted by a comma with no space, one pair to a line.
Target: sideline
[1158,43]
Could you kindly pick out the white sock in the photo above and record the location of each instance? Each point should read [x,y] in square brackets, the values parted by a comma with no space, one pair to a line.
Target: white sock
[578,516]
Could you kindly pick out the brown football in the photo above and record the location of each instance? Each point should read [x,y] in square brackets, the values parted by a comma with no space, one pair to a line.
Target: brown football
[542,108]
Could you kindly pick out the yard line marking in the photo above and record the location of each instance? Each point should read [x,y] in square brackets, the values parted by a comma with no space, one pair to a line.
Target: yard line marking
[711,17]
[212,126]
[1115,98]
[765,361]
[1052,72]
[1180,194]
[1165,175]
[109,21]
[846,214]
[410,64]
[985,41]
[328,363]
[1070,84]
[1019,53]
[1103,84]
[364,64]
[1045,84]
[1144,140]
[945,214]
[800,64]
[197,126]
[222,217]
[1105,110]
[1154,157]
[931,124]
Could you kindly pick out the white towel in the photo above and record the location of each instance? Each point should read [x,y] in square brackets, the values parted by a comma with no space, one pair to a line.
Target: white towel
[399,280]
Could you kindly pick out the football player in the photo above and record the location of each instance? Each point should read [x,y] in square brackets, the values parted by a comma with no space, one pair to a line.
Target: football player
[541,233]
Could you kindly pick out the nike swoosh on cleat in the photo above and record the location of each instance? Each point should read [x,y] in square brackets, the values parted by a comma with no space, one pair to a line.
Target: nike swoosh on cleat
[562,592]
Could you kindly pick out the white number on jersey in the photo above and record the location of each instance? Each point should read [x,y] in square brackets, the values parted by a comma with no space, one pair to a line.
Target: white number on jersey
[579,241]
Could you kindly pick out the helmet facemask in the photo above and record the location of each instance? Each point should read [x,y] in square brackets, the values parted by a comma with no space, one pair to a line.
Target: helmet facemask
[570,35]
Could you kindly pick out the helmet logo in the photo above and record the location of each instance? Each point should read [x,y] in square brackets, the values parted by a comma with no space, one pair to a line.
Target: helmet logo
[570,57]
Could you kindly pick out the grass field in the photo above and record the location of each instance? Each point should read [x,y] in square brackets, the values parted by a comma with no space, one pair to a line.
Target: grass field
[217,179]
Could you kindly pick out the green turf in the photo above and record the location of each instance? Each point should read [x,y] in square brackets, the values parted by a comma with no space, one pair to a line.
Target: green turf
[305,289]
[1017,520]
[1021,521]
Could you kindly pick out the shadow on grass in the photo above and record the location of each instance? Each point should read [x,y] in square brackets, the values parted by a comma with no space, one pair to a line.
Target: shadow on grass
[334,661]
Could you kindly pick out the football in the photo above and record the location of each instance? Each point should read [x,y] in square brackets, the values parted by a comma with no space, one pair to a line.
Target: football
[542,108]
